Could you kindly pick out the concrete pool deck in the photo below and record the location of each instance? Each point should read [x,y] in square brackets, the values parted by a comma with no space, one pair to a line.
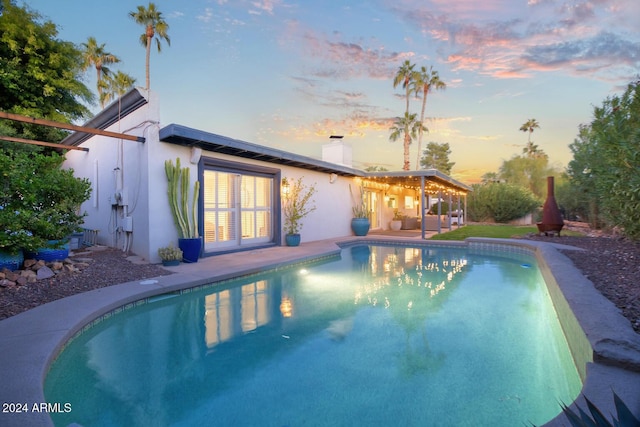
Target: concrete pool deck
[596,331]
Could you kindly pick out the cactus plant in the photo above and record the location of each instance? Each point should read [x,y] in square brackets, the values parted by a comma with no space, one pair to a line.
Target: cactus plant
[170,253]
[178,193]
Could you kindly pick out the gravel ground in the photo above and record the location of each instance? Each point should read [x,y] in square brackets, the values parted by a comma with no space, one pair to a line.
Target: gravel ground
[611,263]
[106,267]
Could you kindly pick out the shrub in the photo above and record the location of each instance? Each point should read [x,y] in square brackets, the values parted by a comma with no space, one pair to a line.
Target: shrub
[38,200]
[499,202]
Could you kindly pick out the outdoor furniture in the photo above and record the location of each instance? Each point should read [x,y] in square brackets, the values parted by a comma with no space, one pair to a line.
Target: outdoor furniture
[431,222]
[409,223]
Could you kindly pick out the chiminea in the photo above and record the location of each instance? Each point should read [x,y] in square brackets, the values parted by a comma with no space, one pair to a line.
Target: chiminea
[551,217]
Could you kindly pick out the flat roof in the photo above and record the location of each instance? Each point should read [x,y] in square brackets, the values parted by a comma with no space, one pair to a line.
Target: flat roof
[182,135]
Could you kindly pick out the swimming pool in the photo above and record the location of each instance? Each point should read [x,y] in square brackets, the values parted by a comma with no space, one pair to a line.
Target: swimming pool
[381,335]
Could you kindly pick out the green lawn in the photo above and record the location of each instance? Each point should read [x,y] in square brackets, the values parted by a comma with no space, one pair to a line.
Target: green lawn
[500,231]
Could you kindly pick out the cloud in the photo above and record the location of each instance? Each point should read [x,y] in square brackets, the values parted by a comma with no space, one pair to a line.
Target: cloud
[337,59]
[583,37]
[594,55]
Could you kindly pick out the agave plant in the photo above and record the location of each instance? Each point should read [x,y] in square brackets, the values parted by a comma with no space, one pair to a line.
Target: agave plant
[595,418]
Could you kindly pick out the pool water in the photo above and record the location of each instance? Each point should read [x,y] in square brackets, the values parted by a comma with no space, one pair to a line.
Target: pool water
[382,335]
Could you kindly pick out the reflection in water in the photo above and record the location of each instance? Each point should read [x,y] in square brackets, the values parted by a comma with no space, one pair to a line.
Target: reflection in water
[235,311]
[250,350]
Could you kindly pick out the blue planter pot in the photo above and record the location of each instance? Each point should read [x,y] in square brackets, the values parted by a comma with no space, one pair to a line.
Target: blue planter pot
[11,261]
[360,226]
[56,252]
[191,249]
[292,239]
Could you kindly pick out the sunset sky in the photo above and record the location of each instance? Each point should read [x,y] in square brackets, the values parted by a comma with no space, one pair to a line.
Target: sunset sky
[288,74]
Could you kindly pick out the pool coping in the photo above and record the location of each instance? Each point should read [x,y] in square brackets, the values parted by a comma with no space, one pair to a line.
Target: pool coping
[596,330]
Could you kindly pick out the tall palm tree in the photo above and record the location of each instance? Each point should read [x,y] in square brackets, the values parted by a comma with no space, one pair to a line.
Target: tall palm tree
[405,76]
[96,55]
[424,82]
[408,127]
[155,26]
[529,126]
[115,85]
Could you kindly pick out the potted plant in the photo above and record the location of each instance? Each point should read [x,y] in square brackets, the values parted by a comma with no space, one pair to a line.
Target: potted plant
[296,204]
[185,219]
[170,255]
[396,222]
[360,222]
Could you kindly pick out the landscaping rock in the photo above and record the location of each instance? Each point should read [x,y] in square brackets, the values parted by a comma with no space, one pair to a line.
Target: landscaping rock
[45,273]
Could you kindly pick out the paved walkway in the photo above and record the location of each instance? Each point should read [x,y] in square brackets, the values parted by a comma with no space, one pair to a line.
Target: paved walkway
[30,341]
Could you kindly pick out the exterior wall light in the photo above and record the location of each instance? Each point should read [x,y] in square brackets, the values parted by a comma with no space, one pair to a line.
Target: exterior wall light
[285,187]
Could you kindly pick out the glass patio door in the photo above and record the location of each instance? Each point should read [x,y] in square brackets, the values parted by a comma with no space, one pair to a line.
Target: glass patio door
[372,199]
[237,210]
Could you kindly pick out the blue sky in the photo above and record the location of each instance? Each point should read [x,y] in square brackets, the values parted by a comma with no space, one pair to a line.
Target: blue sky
[288,74]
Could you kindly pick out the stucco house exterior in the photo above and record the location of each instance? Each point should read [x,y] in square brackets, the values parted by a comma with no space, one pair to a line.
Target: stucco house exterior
[240,184]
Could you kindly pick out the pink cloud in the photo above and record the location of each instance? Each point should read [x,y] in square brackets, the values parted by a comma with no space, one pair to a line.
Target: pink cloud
[344,60]
[505,39]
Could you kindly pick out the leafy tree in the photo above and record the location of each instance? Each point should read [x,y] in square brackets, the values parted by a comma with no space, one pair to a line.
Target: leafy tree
[96,55]
[155,27]
[490,177]
[40,75]
[528,172]
[572,203]
[606,164]
[425,81]
[436,156]
[408,127]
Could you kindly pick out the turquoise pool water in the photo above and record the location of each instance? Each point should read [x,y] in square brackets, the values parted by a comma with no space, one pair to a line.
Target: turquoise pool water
[382,335]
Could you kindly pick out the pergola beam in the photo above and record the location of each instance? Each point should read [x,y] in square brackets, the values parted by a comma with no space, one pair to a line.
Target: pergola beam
[46,144]
[83,129]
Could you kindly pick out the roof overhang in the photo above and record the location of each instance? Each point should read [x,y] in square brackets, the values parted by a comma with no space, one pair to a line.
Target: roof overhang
[128,103]
[431,179]
[182,135]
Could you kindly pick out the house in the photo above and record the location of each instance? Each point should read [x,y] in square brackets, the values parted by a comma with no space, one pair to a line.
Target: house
[240,195]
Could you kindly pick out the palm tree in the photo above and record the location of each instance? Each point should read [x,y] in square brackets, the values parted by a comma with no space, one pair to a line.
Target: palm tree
[407,126]
[96,55]
[529,126]
[405,76]
[155,26]
[425,81]
[115,85]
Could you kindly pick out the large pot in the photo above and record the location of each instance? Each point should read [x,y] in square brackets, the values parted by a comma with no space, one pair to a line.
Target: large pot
[56,251]
[191,249]
[292,239]
[11,261]
[360,226]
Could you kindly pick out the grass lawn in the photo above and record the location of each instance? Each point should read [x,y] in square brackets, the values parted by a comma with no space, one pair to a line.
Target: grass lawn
[500,231]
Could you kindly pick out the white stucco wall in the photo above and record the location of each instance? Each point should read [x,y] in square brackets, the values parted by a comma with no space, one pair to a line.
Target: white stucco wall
[120,166]
[144,186]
